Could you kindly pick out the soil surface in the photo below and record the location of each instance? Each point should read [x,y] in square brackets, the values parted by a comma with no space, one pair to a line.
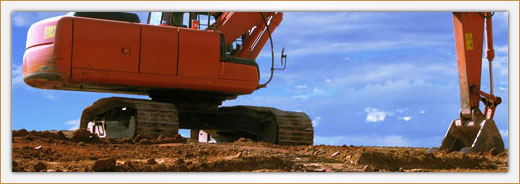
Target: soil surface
[79,151]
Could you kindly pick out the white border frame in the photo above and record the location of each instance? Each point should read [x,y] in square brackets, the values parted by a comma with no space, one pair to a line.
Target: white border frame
[511,6]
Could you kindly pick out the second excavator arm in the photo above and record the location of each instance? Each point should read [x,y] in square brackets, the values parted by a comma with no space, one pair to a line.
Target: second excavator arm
[474,129]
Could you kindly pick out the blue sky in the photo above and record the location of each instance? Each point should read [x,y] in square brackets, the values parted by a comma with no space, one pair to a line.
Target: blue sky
[364,78]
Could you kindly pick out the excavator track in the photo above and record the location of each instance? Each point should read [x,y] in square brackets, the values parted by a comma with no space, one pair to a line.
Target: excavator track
[154,118]
[293,128]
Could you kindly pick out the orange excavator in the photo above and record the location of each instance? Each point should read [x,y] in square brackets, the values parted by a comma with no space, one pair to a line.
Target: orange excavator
[187,73]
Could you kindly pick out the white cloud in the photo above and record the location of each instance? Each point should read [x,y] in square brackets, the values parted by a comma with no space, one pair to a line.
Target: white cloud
[303,97]
[422,111]
[394,140]
[504,132]
[501,49]
[331,19]
[401,110]
[73,123]
[389,85]
[393,73]
[49,95]
[21,20]
[501,88]
[406,118]
[327,48]
[307,24]
[374,115]
[500,63]
[317,90]
[301,87]
[316,121]
[303,24]
[307,94]
[328,81]
[16,75]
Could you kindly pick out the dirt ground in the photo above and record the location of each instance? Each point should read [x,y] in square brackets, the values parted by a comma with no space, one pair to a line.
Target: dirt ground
[66,151]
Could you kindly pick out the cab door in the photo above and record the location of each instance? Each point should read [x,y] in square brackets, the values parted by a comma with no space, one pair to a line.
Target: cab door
[159,49]
[199,53]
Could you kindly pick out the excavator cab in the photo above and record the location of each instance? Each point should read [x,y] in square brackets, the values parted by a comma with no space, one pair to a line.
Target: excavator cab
[167,18]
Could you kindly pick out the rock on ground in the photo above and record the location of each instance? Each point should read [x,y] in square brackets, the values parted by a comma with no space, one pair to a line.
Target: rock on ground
[105,164]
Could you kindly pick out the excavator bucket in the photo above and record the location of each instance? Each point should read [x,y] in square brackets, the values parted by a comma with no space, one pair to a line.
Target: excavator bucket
[478,137]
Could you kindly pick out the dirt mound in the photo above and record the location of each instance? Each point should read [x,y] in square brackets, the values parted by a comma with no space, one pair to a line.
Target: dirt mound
[146,141]
[250,163]
[81,135]
[55,135]
[410,160]
[249,142]
[19,133]
[80,151]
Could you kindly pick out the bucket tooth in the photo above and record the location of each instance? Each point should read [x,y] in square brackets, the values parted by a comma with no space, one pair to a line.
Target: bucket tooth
[488,138]
[479,137]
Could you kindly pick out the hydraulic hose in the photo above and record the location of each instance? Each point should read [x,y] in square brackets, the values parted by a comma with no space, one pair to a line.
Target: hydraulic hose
[272,54]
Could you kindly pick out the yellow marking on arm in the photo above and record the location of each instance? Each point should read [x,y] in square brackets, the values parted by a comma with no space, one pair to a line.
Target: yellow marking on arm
[50,31]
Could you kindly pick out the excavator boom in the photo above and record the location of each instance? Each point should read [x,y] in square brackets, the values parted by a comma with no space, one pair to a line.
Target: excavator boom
[474,129]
